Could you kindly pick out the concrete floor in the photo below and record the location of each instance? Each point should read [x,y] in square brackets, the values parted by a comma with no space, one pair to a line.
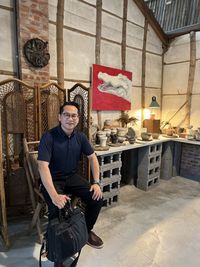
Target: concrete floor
[157,228]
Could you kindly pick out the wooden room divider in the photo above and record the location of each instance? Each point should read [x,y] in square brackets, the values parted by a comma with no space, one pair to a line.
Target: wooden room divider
[80,94]
[26,111]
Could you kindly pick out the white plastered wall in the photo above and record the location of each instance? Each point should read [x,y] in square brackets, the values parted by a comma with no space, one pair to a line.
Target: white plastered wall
[175,82]
[7,51]
[79,46]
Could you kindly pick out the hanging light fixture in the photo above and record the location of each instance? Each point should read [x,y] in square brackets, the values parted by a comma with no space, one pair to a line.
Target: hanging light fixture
[154,104]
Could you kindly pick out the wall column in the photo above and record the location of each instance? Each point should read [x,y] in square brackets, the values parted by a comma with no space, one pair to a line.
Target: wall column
[33,22]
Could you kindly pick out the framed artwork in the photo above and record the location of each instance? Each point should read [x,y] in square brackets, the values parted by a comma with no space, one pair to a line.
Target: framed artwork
[111,88]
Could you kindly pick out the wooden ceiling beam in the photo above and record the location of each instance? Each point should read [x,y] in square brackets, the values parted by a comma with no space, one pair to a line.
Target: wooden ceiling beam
[184,30]
[152,21]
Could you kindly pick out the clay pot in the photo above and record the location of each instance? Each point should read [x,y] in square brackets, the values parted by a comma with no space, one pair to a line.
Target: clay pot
[121,139]
[131,140]
[155,135]
[122,132]
[146,136]
[169,132]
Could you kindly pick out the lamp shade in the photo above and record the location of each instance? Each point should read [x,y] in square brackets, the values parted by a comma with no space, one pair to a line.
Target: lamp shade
[154,103]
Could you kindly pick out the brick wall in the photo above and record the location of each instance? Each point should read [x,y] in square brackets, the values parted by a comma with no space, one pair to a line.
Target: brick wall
[32,23]
[190,162]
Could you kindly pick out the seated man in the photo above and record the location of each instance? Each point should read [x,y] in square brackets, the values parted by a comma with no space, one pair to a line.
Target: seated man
[58,157]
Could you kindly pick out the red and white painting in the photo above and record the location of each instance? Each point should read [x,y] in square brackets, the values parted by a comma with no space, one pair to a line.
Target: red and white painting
[111,88]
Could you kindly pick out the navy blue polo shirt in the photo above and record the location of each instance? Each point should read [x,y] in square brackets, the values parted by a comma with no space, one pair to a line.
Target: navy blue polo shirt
[62,152]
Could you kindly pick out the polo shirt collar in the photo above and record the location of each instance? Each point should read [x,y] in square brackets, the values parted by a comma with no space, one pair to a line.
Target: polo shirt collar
[60,130]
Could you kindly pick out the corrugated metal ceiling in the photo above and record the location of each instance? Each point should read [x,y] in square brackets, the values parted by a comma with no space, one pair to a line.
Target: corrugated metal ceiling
[173,15]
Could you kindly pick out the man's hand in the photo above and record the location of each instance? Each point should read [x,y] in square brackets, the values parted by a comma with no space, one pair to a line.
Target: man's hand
[97,194]
[60,200]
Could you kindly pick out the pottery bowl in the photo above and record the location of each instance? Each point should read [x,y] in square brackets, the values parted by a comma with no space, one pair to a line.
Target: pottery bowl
[121,139]
[146,136]
[131,140]
[155,135]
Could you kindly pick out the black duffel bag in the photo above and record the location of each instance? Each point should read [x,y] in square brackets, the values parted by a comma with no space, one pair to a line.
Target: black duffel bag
[66,235]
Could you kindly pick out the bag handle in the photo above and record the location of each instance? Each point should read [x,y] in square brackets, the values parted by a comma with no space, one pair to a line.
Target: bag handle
[40,257]
[66,210]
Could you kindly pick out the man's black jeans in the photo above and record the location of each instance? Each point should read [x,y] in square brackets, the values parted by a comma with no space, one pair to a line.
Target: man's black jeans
[77,186]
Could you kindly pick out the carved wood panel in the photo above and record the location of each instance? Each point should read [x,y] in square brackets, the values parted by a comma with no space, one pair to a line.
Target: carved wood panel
[80,94]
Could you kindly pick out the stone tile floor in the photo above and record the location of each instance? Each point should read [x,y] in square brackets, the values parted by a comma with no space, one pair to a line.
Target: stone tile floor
[157,228]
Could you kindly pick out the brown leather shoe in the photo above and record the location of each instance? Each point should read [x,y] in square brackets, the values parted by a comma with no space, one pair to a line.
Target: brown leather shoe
[94,240]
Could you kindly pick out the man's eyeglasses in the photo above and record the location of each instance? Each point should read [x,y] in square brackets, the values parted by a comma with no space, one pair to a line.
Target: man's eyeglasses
[68,115]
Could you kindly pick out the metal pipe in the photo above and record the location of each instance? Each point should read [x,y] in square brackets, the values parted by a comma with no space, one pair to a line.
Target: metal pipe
[16,32]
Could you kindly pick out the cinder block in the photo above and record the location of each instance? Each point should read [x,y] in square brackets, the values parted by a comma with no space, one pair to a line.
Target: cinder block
[110,176]
[153,172]
[149,161]
[147,184]
[114,199]
[114,192]
[106,202]
[155,149]
[110,166]
[104,182]
[155,160]
[115,185]
[106,188]
[116,178]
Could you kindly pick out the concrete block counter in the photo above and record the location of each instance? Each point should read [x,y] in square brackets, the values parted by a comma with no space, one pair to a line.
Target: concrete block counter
[148,161]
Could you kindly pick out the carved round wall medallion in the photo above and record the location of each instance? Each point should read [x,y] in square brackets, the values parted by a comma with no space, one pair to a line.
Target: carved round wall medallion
[35,51]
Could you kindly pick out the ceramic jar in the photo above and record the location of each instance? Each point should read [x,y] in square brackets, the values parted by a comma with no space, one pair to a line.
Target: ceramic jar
[197,135]
[189,133]
[99,135]
[113,138]
[121,132]
[103,140]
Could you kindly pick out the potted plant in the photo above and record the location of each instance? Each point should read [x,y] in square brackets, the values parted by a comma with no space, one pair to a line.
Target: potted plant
[125,119]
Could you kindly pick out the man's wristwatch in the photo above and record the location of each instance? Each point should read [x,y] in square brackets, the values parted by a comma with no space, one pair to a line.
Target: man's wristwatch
[96,182]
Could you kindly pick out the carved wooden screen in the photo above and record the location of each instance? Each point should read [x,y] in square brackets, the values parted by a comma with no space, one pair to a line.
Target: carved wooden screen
[80,94]
[15,127]
[51,97]
[25,112]
[18,113]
